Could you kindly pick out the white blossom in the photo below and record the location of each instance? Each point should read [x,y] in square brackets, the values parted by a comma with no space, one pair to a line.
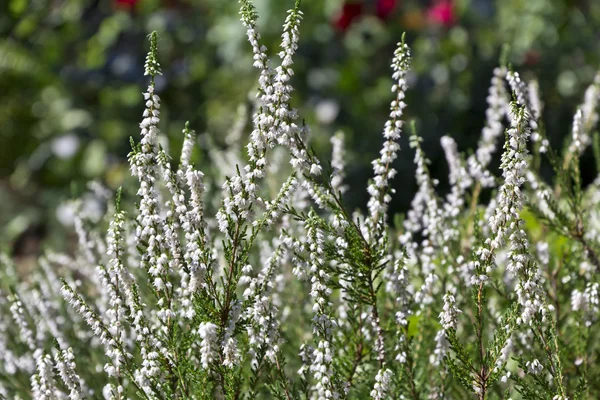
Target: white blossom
[497,100]
[378,189]
[382,384]
[587,302]
[65,365]
[43,383]
[337,163]
[534,367]
[449,314]
[209,346]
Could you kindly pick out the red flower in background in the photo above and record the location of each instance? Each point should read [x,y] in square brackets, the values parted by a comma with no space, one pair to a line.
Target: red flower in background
[352,11]
[126,3]
[385,8]
[349,13]
[442,12]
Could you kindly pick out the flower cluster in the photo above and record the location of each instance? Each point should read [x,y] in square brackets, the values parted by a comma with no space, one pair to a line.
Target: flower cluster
[382,384]
[449,314]
[208,346]
[497,100]
[382,166]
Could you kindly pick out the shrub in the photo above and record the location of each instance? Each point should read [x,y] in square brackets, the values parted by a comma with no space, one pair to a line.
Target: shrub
[285,293]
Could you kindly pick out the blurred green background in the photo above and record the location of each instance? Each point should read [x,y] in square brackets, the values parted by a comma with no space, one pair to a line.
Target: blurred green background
[71,79]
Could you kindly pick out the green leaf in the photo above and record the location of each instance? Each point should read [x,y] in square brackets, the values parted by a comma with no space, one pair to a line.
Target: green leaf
[413,325]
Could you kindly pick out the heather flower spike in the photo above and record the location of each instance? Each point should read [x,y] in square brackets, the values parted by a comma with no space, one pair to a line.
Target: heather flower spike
[379,190]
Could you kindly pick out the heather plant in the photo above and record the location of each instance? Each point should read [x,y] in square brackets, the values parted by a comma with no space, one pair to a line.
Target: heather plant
[277,290]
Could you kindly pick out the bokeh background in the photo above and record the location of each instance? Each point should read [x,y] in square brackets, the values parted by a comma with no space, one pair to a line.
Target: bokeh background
[71,79]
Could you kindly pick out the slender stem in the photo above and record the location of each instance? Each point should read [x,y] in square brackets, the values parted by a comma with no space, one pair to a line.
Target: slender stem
[226,304]
[483,375]
[357,352]
[566,162]
[375,316]
[283,377]
[411,373]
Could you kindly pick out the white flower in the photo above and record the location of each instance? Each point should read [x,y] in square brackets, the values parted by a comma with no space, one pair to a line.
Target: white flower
[315,169]
[580,140]
[586,117]
[382,384]
[43,383]
[337,162]
[448,316]
[18,314]
[460,180]
[65,365]
[534,367]
[587,302]
[543,252]
[209,346]
[382,169]
[519,89]
[497,100]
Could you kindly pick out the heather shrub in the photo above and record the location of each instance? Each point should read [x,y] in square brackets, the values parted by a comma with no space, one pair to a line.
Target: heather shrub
[256,281]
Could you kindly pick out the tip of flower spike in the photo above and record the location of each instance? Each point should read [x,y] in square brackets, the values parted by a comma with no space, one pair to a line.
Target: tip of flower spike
[517,109]
[248,13]
[118,199]
[152,67]
[413,127]
[132,143]
[402,55]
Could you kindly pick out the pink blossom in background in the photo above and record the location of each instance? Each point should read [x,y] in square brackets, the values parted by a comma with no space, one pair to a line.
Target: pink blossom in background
[442,12]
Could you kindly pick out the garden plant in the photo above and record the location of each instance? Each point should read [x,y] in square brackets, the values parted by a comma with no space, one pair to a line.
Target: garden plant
[255,280]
